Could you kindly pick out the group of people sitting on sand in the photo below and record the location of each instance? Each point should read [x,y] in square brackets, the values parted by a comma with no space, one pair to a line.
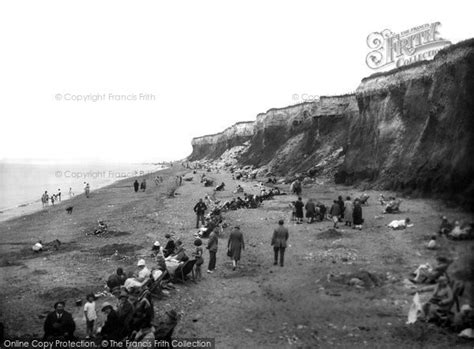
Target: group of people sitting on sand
[443,306]
[455,230]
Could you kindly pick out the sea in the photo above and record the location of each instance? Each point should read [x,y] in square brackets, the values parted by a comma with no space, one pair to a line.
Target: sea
[23,184]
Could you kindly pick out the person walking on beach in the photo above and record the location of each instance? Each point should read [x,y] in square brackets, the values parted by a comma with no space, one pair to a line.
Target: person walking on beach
[52,199]
[143,185]
[279,239]
[59,195]
[71,194]
[200,208]
[235,245]
[136,185]
[212,247]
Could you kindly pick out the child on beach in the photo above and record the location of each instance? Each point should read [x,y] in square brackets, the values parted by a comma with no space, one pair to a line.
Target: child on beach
[199,259]
[90,314]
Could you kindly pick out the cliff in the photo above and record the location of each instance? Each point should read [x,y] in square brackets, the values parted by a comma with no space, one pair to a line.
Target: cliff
[414,129]
[212,146]
[409,129]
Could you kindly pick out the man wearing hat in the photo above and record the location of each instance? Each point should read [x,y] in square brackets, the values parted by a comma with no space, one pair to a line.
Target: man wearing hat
[279,242]
[111,329]
[125,310]
[59,324]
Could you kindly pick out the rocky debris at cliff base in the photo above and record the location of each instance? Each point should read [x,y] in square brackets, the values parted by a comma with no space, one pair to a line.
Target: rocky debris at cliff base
[361,278]
[330,234]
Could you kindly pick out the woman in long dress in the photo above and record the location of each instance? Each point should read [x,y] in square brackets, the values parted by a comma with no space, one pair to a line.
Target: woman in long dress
[348,207]
[235,245]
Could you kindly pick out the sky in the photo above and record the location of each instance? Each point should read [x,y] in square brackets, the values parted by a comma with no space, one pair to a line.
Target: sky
[125,81]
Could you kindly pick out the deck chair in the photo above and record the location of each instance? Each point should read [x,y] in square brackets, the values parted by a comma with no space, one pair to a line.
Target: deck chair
[183,270]
[155,286]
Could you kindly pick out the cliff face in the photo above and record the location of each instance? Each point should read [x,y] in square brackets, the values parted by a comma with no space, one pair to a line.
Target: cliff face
[213,146]
[298,138]
[409,129]
[414,129]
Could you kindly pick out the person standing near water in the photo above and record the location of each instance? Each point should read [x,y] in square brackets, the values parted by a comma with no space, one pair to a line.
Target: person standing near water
[143,185]
[279,239]
[136,185]
[59,195]
[235,245]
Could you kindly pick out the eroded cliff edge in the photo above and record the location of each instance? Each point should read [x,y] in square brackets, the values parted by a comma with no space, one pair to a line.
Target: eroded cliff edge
[409,129]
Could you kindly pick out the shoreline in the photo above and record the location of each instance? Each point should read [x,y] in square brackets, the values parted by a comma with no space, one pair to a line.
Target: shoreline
[31,207]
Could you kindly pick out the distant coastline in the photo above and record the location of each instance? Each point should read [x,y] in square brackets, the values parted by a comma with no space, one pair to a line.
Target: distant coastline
[32,206]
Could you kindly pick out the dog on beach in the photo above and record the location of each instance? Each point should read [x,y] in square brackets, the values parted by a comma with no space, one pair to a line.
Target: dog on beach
[69,209]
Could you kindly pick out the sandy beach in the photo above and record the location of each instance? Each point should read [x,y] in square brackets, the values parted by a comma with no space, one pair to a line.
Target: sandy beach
[304,304]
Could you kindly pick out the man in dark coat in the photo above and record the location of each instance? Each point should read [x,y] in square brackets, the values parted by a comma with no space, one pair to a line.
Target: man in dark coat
[200,208]
[279,239]
[111,329]
[212,247]
[59,324]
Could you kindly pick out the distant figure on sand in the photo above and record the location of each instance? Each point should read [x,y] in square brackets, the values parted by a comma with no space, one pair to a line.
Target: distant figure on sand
[45,199]
[143,185]
[59,195]
[279,239]
[310,211]
[299,210]
[357,215]
[200,208]
[235,245]
[335,212]
[87,189]
[348,208]
[136,185]
[71,194]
